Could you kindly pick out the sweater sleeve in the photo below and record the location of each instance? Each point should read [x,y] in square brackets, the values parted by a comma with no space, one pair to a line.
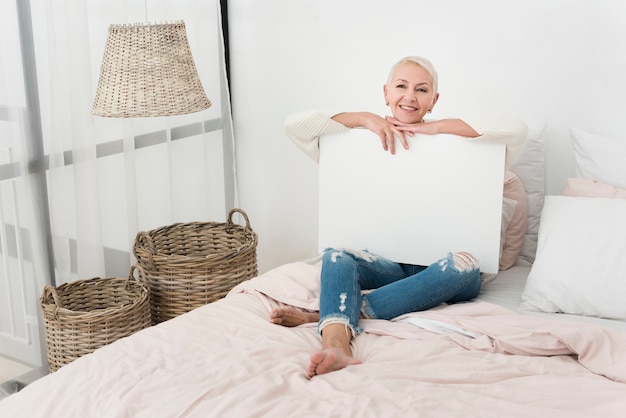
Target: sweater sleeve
[501,130]
[305,129]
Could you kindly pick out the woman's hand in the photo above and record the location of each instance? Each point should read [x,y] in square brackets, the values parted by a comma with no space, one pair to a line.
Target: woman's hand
[385,130]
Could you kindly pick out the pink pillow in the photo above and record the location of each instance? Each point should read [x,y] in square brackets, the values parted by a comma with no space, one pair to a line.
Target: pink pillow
[592,188]
[516,231]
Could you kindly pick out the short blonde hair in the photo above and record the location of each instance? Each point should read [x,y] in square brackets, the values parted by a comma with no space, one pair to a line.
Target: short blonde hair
[422,62]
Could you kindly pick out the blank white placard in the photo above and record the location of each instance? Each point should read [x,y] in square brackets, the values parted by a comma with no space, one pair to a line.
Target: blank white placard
[442,195]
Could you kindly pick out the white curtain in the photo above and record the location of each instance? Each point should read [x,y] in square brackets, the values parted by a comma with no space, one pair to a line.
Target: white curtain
[90,184]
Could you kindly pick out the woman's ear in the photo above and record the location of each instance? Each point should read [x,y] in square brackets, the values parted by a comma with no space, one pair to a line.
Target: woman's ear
[385,94]
[434,101]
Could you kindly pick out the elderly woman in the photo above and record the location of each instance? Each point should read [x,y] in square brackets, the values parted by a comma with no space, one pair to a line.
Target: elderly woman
[395,288]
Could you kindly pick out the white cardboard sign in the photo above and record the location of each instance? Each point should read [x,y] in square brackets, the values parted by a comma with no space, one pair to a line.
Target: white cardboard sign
[442,195]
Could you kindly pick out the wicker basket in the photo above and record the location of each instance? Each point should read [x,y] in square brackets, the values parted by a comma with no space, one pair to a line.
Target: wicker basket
[188,265]
[84,315]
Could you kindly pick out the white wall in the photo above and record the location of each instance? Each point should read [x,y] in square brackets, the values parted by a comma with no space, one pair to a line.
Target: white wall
[558,61]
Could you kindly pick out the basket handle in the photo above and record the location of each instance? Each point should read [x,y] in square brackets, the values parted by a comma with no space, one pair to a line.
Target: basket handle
[230,219]
[141,274]
[50,293]
[144,239]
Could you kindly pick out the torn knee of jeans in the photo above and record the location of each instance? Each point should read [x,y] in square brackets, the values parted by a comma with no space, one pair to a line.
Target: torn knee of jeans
[465,261]
[462,261]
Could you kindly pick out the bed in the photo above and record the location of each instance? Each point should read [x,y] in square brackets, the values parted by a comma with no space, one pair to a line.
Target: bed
[227,359]
[502,354]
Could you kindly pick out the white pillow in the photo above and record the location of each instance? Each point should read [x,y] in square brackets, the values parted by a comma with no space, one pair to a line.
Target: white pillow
[580,266]
[529,167]
[600,158]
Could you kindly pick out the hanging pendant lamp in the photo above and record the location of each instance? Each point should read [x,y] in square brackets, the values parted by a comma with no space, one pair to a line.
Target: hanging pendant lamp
[148,70]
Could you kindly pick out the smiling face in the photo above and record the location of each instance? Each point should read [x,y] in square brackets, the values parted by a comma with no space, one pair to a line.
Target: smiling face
[410,93]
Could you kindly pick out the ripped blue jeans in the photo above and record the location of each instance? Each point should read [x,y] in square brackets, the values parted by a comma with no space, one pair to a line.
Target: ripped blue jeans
[396,288]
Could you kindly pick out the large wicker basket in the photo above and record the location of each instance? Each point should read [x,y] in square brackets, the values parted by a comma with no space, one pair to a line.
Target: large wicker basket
[188,265]
[84,315]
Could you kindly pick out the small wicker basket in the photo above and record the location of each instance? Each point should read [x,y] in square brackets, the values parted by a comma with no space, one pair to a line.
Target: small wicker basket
[84,315]
[188,265]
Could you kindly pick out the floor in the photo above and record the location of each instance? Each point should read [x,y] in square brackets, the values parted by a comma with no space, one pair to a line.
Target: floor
[15,375]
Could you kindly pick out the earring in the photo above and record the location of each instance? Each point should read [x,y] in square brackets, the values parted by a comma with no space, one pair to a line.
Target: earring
[387,104]
[429,111]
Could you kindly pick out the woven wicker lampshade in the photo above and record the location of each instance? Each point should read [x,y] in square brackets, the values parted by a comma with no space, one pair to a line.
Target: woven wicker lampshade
[148,70]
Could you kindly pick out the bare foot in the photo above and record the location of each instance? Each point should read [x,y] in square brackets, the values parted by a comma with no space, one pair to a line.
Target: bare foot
[289,316]
[329,360]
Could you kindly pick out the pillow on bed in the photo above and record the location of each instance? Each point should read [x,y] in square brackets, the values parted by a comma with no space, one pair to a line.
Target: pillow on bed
[592,188]
[580,266]
[508,211]
[600,158]
[530,169]
[516,229]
